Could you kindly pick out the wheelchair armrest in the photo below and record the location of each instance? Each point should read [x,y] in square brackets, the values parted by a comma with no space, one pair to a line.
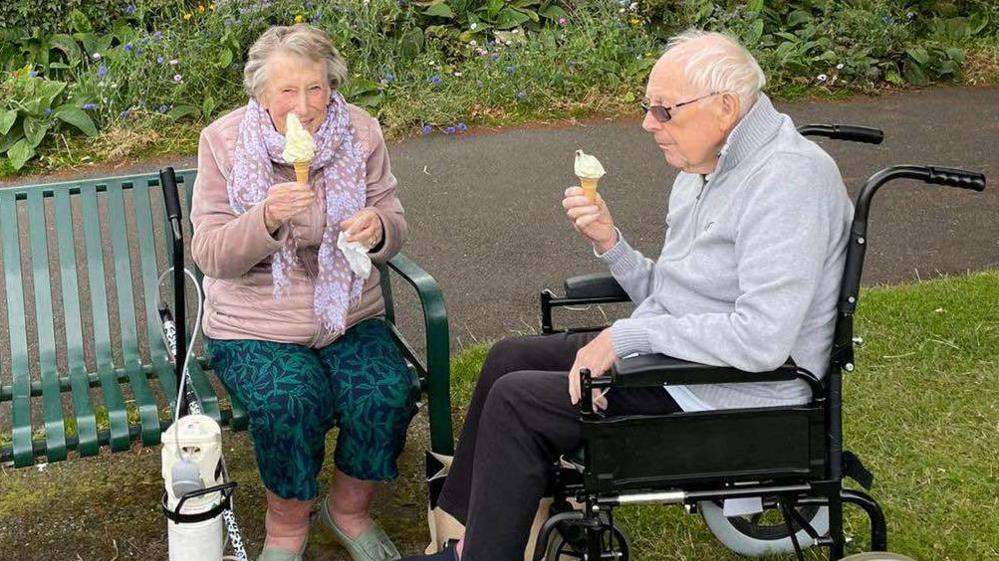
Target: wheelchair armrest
[595,285]
[656,370]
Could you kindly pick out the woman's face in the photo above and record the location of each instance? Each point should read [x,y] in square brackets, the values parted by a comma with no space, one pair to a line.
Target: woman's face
[295,85]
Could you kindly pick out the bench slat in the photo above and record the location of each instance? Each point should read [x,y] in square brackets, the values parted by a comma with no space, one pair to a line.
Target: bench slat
[147,252]
[86,421]
[111,392]
[55,429]
[21,388]
[145,400]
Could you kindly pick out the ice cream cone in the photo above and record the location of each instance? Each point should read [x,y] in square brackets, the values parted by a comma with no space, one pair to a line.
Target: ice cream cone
[302,172]
[589,185]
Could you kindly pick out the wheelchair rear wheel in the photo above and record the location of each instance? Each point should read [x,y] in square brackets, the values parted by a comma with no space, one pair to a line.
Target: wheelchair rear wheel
[764,533]
[571,548]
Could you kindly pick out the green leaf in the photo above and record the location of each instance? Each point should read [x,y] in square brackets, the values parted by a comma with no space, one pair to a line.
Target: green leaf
[798,17]
[181,111]
[893,77]
[754,6]
[411,44]
[88,40]
[225,59]
[441,10]
[79,22]
[755,31]
[914,74]
[509,18]
[34,130]
[47,91]
[977,22]
[554,13]
[919,55]
[956,54]
[207,106]
[368,99]
[76,117]
[67,45]
[20,153]
[7,120]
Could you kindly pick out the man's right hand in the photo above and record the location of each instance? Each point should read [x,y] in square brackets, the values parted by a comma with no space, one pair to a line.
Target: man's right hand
[593,221]
[284,201]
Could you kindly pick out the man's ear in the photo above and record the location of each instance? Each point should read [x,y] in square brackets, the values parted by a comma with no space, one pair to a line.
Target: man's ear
[729,110]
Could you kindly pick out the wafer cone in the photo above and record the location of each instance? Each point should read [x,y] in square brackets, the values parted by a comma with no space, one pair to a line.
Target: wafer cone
[589,185]
[302,172]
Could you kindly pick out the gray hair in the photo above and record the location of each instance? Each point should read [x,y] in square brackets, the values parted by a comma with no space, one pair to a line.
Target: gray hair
[301,40]
[718,63]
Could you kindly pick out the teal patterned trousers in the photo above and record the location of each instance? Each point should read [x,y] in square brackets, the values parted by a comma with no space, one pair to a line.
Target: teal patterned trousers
[294,395]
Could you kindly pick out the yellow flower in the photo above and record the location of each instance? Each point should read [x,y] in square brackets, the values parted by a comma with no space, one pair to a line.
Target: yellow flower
[201,8]
[635,22]
[188,16]
[211,7]
[299,19]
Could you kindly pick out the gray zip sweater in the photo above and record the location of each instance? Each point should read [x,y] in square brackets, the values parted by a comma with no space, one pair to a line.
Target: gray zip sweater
[751,267]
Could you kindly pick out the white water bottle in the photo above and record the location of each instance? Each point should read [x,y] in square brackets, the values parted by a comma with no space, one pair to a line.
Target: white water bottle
[192,450]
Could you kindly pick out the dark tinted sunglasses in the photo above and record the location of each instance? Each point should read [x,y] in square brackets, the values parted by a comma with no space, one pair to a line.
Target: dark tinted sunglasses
[662,113]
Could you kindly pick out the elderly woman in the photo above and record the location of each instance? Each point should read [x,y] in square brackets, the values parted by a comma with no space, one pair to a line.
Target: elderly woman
[293,333]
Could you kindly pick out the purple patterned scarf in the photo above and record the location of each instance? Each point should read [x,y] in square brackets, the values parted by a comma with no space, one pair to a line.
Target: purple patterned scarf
[258,147]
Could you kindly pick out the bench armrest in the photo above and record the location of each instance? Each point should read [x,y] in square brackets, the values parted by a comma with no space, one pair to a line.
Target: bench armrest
[595,285]
[651,370]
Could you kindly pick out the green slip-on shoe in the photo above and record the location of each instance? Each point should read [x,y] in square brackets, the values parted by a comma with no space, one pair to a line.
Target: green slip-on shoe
[372,545]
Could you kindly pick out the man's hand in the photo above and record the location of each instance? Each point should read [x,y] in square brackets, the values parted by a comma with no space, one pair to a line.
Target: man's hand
[365,227]
[593,221]
[284,201]
[598,355]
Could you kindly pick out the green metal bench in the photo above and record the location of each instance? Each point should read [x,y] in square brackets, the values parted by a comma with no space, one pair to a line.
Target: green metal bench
[68,217]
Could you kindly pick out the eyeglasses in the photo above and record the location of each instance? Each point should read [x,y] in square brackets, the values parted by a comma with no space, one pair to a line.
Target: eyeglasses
[662,113]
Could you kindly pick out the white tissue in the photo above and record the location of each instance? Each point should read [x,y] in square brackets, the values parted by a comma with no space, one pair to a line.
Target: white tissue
[356,254]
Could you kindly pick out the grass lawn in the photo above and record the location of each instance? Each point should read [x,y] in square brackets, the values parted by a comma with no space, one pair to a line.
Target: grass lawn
[922,410]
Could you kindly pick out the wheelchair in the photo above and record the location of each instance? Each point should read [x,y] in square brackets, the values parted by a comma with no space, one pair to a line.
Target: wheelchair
[789,461]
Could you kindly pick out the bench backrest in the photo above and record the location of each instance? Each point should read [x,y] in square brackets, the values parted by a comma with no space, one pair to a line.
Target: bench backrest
[80,263]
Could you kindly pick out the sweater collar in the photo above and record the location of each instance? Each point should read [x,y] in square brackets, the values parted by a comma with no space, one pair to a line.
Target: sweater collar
[756,128]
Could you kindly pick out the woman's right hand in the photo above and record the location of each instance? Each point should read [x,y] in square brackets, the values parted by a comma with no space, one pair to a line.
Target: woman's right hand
[284,201]
[592,220]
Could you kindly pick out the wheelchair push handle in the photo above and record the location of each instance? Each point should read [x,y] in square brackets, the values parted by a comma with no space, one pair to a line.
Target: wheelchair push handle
[171,198]
[852,133]
[954,177]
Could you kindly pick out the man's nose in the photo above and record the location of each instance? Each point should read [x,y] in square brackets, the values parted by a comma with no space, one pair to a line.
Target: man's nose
[649,123]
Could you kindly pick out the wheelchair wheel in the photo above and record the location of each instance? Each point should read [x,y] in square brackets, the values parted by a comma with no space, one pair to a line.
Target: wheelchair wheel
[561,549]
[763,533]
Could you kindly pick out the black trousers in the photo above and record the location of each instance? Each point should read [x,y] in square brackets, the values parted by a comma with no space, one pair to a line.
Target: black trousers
[519,422]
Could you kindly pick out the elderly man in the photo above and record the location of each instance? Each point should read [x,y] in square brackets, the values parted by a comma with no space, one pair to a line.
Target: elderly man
[748,276]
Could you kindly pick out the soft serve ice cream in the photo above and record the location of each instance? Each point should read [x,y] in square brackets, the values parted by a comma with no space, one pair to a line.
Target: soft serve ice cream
[589,171]
[299,148]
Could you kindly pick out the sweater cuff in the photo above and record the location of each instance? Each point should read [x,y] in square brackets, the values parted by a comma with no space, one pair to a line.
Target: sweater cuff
[629,337]
[622,258]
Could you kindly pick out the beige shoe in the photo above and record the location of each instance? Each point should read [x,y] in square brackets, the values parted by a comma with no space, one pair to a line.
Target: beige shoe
[372,545]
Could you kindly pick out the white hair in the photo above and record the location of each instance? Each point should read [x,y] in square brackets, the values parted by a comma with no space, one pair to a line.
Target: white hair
[717,62]
[301,40]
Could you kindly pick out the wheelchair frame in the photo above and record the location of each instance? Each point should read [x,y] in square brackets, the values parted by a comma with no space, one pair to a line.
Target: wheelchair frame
[793,455]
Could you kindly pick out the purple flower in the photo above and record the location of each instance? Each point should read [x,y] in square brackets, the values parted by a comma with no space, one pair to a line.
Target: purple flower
[128,47]
[427,129]
[89,106]
[389,77]
[178,78]
[130,9]
[462,127]
[521,94]
[315,19]
[162,109]
[494,57]
[159,60]
[48,111]
[449,130]
[158,35]
[308,5]
[33,74]
[138,52]
[511,69]
[435,79]
[102,71]
[124,114]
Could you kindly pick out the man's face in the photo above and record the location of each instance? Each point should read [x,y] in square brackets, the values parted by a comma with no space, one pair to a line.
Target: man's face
[696,132]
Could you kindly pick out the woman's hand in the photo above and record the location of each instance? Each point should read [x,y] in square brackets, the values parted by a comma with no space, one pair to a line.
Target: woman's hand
[591,220]
[284,201]
[365,227]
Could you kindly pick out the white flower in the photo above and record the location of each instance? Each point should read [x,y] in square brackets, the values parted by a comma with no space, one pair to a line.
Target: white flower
[97,56]
[822,77]
[473,43]
[622,10]
[473,26]
[457,74]
[515,31]
[174,62]
[839,66]
[633,7]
